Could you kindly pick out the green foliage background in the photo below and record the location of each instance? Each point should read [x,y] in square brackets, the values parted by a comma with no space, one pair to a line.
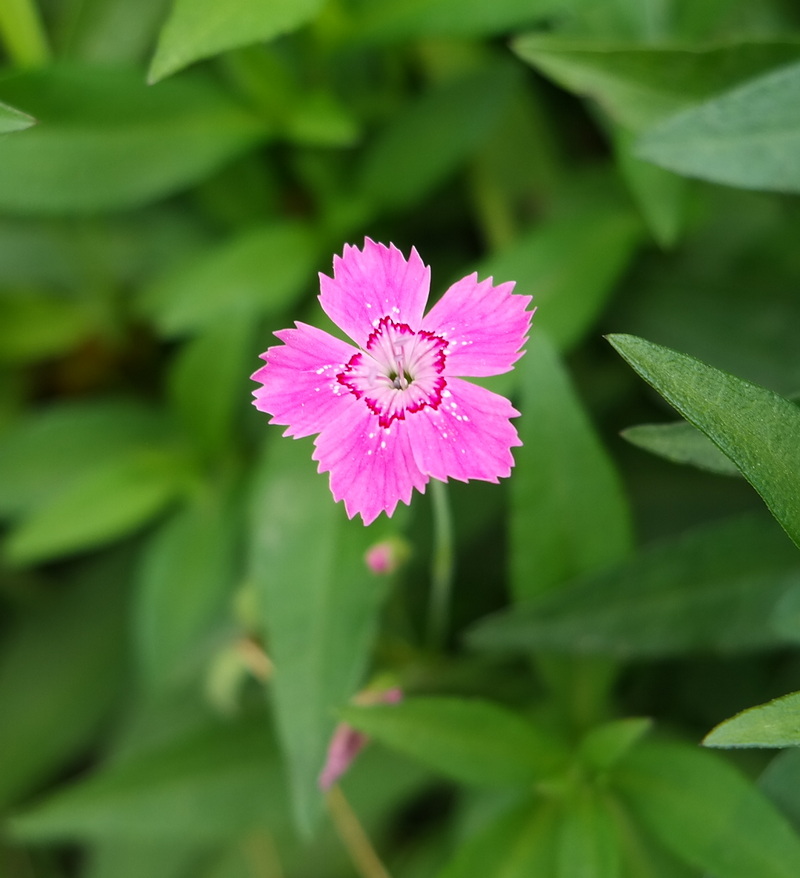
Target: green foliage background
[185,614]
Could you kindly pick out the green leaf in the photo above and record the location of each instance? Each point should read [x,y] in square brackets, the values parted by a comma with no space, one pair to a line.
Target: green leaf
[106,141]
[519,844]
[207,382]
[757,429]
[681,442]
[62,670]
[208,786]
[319,604]
[774,724]
[603,746]
[13,120]
[781,782]
[35,324]
[103,504]
[187,572]
[262,270]
[587,837]
[472,741]
[748,137]
[563,485]
[406,19]
[571,266]
[715,588]
[638,85]
[706,813]
[43,452]
[198,29]
[451,120]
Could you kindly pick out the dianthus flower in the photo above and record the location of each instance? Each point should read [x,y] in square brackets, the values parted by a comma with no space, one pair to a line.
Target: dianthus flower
[394,411]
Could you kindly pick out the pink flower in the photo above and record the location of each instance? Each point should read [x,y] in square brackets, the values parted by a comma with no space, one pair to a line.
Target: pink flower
[394,411]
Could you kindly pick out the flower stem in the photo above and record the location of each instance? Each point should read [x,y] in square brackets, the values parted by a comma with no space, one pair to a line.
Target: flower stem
[353,837]
[442,567]
[22,33]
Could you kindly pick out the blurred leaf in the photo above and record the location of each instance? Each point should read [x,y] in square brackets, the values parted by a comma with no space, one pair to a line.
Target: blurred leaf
[587,841]
[715,588]
[259,271]
[638,85]
[208,382]
[13,120]
[659,194]
[472,741]
[630,20]
[319,605]
[757,429]
[198,29]
[706,812]
[781,782]
[134,859]
[106,141]
[407,19]
[451,120]
[775,724]
[519,844]
[206,787]
[43,452]
[62,668]
[111,31]
[571,267]
[749,136]
[681,442]
[568,512]
[187,572]
[35,325]
[603,746]
[103,504]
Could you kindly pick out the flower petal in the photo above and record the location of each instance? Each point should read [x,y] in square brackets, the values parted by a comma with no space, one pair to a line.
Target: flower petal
[468,437]
[485,326]
[371,468]
[373,283]
[300,387]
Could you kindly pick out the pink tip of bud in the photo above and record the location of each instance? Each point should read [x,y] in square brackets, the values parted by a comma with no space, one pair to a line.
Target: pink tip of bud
[386,556]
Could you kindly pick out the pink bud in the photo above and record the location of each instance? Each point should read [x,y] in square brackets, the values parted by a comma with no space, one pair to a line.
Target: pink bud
[386,556]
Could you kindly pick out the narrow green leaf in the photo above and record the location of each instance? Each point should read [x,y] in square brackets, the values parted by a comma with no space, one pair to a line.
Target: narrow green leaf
[603,746]
[472,741]
[638,85]
[13,120]
[187,572]
[749,136]
[519,844]
[102,505]
[774,724]
[208,379]
[451,120]
[715,588]
[563,485]
[210,785]
[406,19]
[132,859]
[571,266]
[706,813]
[319,604]
[198,29]
[781,782]
[757,429]
[587,840]
[106,141]
[43,452]
[260,271]
[681,442]
[62,670]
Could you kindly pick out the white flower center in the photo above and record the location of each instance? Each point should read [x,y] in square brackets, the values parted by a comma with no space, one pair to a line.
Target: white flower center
[400,371]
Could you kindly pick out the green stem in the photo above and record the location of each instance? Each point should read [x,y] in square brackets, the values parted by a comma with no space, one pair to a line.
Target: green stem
[442,567]
[23,34]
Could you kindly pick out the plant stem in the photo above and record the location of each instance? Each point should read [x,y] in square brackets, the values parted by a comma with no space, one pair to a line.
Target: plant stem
[23,34]
[353,837]
[442,567]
